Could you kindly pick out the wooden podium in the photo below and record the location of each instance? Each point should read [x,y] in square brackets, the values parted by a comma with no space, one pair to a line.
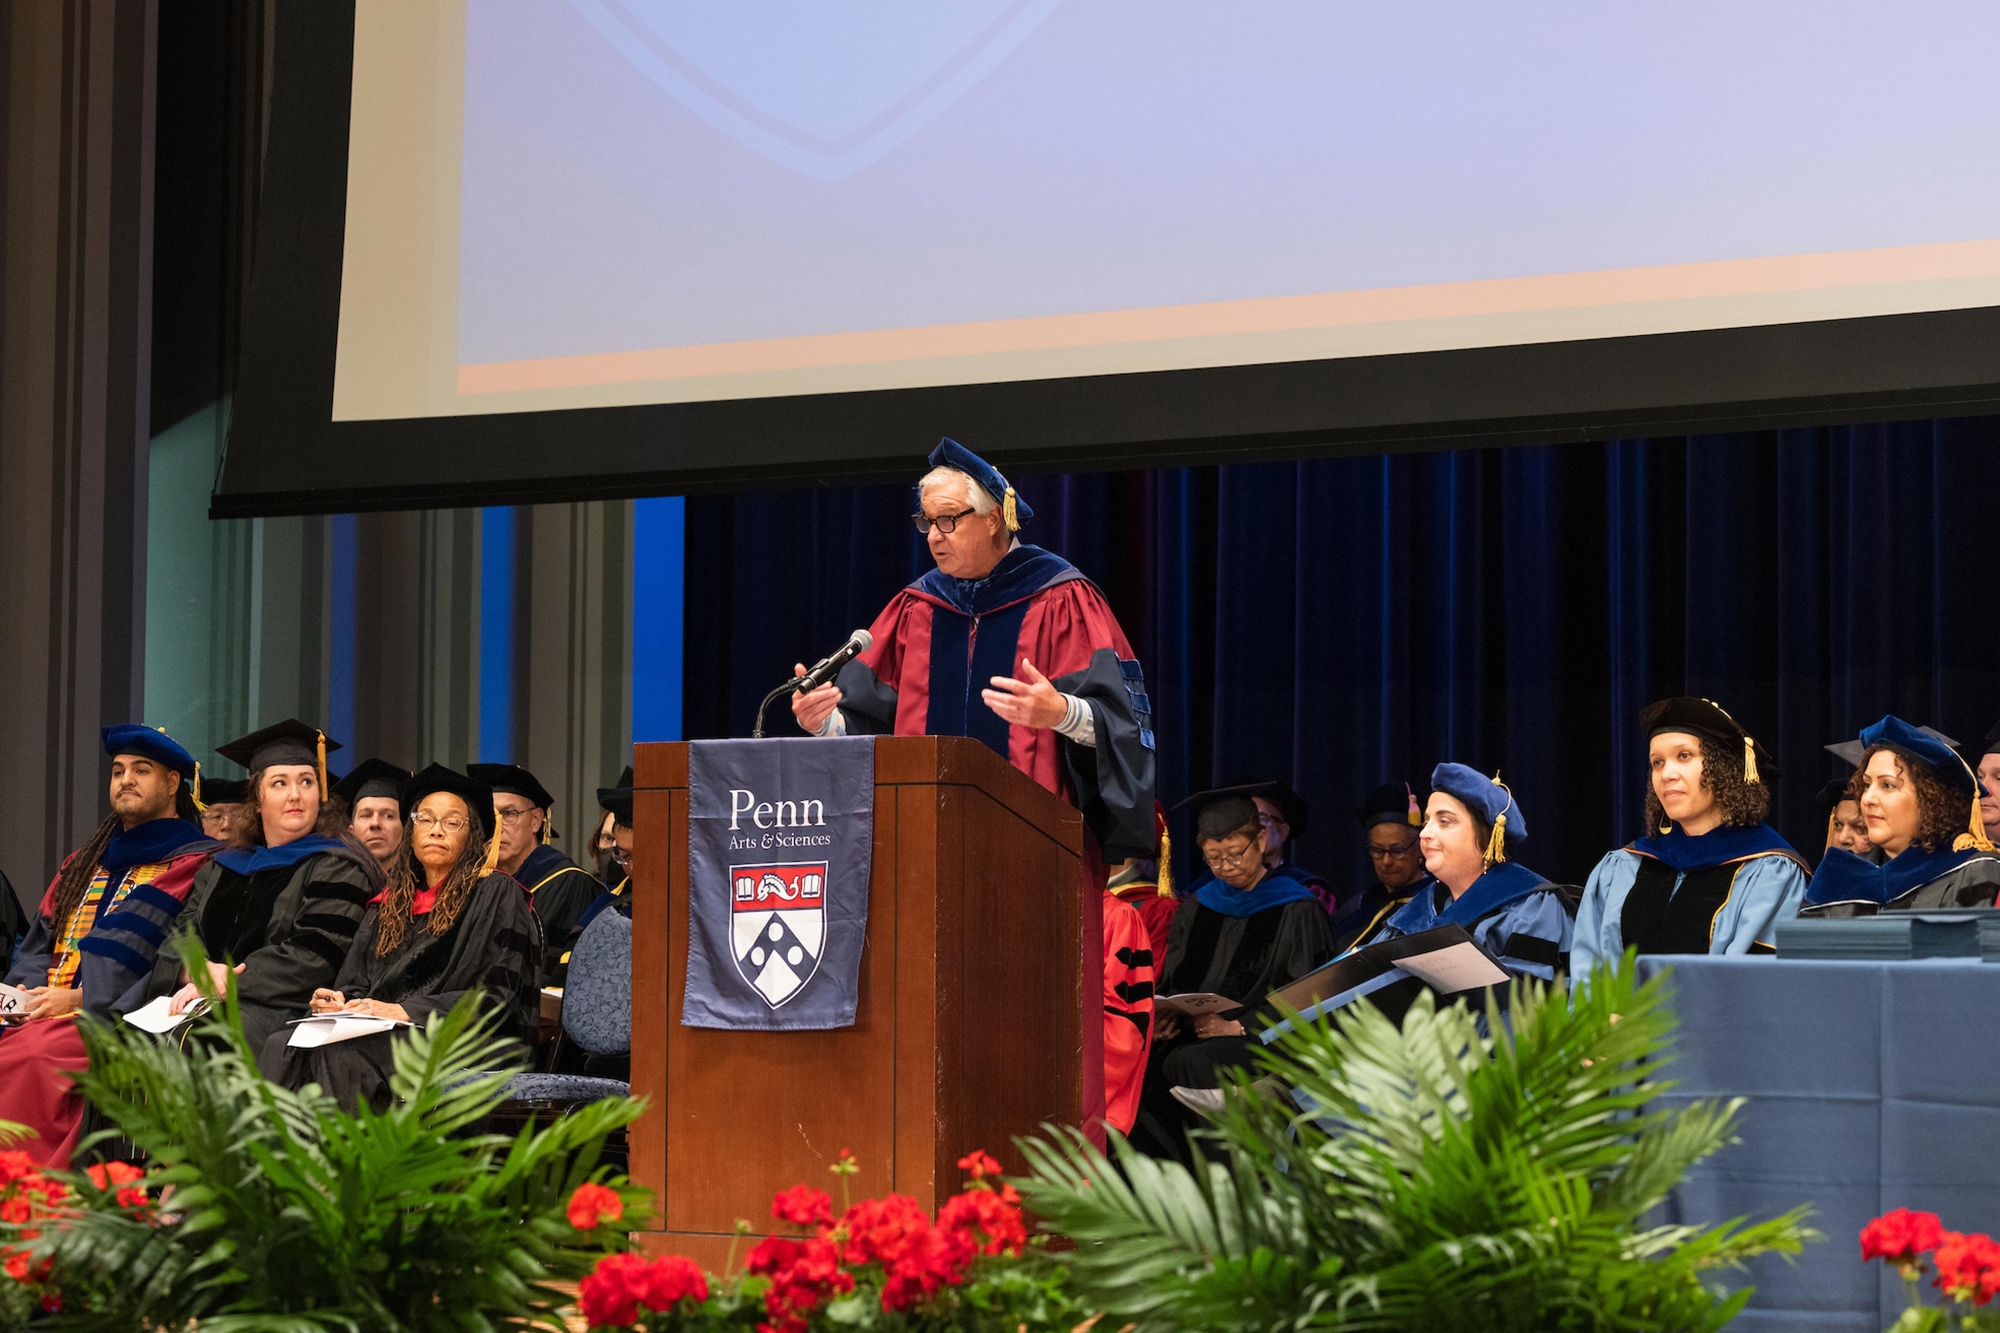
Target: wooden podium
[968,1029]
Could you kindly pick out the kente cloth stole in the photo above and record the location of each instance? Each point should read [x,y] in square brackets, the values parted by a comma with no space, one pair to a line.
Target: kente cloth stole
[68,953]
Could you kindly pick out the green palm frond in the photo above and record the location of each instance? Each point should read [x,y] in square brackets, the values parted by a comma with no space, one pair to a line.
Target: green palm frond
[287,1215]
[1464,1169]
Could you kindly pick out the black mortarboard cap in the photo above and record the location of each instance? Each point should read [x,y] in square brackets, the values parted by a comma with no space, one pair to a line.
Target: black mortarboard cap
[1993,740]
[1292,807]
[478,797]
[287,742]
[1391,803]
[372,778]
[1222,811]
[1706,718]
[617,800]
[224,791]
[512,779]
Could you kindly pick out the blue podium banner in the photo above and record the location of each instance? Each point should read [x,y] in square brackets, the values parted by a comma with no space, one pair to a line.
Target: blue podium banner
[780,836]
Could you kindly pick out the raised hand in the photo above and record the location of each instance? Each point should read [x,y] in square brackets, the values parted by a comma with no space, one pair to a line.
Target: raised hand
[1026,703]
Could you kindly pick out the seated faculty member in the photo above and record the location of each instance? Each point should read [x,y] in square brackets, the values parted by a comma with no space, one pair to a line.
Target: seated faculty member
[1927,844]
[280,904]
[1845,828]
[1710,876]
[374,811]
[1391,821]
[559,890]
[221,798]
[1242,935]
[97,931]
[1988,769]
[448,923]
[1471,823]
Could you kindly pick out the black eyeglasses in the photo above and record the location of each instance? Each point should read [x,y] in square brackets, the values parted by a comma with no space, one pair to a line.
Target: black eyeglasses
[1385,853]
[945,523]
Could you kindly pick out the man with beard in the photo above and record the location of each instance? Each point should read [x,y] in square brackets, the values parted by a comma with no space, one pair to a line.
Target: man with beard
[98,930]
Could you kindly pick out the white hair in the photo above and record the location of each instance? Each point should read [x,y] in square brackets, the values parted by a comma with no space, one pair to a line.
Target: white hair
[975,494]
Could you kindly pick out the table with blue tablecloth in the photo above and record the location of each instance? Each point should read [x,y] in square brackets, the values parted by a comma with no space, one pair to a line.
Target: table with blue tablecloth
[1871,1086]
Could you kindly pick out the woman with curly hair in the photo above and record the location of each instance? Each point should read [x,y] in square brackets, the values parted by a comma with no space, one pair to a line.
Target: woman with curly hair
[448,923]
[1927,841]
[279,905]
[1710,876]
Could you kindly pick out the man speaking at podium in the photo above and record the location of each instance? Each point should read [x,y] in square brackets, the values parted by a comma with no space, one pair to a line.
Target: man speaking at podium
[1012,646]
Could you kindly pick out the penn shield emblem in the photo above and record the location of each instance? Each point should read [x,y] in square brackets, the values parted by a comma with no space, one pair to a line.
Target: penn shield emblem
[822,88]
[778,926]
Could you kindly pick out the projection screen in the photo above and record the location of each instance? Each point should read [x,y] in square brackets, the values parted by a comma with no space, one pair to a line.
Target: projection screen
[657,245]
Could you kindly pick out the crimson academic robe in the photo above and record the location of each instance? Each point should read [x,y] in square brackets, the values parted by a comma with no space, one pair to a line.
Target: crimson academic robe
[105,949]
[938,643]
[1128,1010]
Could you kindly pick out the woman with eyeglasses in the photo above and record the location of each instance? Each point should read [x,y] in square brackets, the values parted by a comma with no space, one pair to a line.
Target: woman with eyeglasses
[1241,935]
[1471,824]
[448,923]
[278,906]
[1710,876]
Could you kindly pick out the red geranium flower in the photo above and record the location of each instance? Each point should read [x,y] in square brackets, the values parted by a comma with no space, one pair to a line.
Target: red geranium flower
[592,1204]
[931,1260]
[803,1205]
[670,1279]
[1901,1235]
[803,1273]
[979,1164]
[122,1175]
[878,1230]
[1968,1267]
[989,1222]
[608,1295]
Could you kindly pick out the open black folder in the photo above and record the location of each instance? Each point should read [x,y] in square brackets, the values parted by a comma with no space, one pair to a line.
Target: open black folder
[1391,973]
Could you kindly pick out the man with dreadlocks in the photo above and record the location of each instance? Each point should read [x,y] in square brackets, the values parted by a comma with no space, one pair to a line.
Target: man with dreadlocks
[448,923]
[99,927]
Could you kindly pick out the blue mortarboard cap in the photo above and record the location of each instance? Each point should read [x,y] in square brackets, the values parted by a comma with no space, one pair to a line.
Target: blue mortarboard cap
[950,453]
[1486,797]
[132,738]
[1924,746]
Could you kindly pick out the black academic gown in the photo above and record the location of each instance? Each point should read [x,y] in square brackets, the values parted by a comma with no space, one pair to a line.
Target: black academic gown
[560,891]
[1242,957]
[288,925]
[490,947]
[1363,914]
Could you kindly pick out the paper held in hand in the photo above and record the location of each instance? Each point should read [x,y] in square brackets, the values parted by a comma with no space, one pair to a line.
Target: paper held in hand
[13,1000]
[153,1016]
[326,1029]
[1195,1003]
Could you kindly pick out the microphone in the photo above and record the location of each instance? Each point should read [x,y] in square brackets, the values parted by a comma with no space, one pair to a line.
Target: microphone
[822,671]
[827,668]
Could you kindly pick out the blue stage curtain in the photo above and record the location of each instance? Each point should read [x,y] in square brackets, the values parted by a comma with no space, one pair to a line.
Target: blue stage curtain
[1345,621]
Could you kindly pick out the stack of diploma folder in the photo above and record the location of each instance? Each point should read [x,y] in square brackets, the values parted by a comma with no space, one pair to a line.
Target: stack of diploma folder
[1959,933]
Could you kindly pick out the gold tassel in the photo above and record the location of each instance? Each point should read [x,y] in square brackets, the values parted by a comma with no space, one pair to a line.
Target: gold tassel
[199,808]
[1831,816]
[492,847]
[1750,761]
[322,762]
[1013,515]
[1416,816]
[1975,836]
[1496,846]
[548,828]
[1166,875]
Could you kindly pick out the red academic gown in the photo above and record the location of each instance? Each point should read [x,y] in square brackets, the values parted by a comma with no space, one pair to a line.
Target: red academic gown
[1128,1010]
[938,643]
[129,910]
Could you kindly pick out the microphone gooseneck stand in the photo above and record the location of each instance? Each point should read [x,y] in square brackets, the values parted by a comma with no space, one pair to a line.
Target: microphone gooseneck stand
[789,687]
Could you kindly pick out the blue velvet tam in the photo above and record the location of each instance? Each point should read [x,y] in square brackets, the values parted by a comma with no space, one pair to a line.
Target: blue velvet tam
[154,744]
[1483,796]
[1926,748]
[950,453]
